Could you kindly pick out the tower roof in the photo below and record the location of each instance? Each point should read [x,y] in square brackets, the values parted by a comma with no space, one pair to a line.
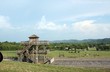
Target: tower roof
[33,36]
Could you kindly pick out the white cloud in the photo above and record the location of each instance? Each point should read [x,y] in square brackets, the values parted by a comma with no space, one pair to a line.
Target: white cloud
[87,28]
[4,23]
[84,26]
[91,29]
[46,25]
[79,30]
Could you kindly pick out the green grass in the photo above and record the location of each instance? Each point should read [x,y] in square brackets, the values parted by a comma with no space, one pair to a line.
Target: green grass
[10,66]
[7,54]
[67,54]
[82,54]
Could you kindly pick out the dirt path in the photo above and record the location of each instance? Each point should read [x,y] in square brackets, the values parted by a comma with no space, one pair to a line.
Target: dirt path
[105,63]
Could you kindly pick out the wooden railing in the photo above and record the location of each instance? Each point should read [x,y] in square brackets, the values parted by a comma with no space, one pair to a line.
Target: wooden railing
[35,43]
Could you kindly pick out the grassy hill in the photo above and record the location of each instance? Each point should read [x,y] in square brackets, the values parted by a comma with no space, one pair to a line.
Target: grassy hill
[11,66]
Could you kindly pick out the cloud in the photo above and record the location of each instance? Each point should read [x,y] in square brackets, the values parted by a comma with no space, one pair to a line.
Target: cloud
[47,25]
[91,29]
[84,26]
[77,30]
[4,23]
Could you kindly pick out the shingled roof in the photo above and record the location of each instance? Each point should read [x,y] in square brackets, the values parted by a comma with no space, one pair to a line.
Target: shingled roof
[33,36]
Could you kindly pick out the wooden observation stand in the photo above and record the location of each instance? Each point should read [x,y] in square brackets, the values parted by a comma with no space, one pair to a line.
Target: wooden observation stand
[34,51]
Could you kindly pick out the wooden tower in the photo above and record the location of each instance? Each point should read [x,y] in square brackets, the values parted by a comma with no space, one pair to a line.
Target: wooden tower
[34,51]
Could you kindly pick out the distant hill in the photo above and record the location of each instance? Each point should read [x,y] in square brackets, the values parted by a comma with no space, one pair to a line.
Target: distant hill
[66,41]
[105,40]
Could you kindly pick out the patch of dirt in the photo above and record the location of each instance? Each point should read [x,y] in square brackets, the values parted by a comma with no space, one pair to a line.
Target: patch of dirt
[105,63]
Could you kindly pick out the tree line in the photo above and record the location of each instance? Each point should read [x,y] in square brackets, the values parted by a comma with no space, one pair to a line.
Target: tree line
[10,46]
[81,46]
[60,46]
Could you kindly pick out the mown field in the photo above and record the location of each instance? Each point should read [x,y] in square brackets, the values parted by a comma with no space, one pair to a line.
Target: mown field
[11,66]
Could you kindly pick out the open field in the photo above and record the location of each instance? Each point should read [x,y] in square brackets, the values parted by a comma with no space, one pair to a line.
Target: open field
[82,54]
[8,54]
[67,54]
[11,66]
[14,66]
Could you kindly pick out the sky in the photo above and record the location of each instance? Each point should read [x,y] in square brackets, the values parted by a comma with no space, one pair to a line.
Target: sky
[54,19]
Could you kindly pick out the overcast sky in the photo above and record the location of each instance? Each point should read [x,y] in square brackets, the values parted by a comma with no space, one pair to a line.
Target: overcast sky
[54,19]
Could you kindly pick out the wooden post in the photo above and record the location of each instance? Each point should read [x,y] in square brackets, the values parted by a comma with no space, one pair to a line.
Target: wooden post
[36,56]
